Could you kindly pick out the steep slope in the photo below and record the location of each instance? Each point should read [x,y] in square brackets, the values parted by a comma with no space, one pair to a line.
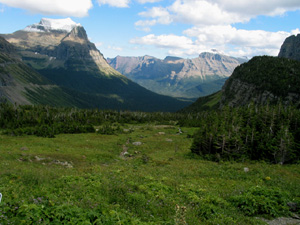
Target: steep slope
[60,51]
[263,80]
[20,84]
[291,48]
[173,76]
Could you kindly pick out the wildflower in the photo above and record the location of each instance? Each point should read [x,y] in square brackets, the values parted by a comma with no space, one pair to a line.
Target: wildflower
[267,178]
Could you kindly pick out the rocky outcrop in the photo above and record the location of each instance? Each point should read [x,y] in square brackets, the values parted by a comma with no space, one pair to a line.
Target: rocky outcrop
[263,80]
[291,48]
[242,93]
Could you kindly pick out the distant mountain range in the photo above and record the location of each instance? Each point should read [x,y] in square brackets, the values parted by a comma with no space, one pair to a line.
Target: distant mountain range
[66,69]
[262,80]
[178,77]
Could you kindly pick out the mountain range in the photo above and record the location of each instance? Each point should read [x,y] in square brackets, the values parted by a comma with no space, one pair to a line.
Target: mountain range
[54,63]
[263,80]
[59,54]
[178,77]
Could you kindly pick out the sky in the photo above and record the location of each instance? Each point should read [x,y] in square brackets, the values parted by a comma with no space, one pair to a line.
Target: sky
[160,28]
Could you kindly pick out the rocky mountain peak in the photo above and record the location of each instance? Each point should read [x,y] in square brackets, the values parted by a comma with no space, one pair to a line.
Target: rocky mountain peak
[48,25]
[291,48]
[211,55]
[78,32]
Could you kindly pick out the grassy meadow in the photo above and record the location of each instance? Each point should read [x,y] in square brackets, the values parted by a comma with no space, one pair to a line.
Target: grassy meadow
[144,174]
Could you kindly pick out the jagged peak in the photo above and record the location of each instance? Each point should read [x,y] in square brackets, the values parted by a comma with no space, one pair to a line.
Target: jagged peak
[78,32]
[47,25]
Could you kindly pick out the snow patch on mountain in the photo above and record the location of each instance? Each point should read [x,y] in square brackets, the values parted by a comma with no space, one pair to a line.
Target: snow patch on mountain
[46,25]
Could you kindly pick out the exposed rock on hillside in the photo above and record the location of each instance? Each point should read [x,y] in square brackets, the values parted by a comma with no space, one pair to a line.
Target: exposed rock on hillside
[291,48]
[263,80]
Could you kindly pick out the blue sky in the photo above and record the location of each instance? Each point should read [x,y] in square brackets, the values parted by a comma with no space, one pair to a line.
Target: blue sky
[160,28]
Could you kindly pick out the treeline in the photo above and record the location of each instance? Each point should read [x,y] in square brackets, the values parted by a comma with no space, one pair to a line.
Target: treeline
[269,133]
[48,121]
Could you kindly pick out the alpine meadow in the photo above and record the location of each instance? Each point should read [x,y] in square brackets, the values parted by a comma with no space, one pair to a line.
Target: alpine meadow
[138,140]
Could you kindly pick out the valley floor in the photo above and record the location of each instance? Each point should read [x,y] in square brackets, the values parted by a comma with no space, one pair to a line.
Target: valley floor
[144,175]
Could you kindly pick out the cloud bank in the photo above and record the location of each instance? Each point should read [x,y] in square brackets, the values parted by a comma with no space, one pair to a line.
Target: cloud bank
[212,26]
[115,3]
[77,8]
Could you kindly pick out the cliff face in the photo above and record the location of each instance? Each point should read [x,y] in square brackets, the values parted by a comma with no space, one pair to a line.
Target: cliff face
[291,48]
[263,80]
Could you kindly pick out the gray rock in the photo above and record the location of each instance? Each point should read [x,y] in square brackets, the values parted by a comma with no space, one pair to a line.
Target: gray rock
[138,143]
[290,48]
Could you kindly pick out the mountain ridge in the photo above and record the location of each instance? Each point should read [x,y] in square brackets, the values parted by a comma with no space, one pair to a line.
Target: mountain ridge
[178,77]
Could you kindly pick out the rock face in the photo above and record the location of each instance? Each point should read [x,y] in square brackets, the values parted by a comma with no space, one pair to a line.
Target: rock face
[178,77]
[263,80]
[291,48]
[61,52]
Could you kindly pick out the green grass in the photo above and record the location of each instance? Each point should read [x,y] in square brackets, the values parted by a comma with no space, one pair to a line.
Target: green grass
[159,182]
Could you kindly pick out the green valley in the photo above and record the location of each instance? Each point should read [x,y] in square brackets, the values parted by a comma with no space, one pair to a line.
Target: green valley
[109,167]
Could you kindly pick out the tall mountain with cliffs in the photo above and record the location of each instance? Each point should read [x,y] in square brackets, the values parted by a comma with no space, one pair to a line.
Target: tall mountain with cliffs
[178,77]
[60,51]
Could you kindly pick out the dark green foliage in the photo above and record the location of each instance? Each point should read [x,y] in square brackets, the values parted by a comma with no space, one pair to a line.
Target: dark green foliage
[109,129]
[256,133]
[262,201]
[209,102]
[42,121]
[47,121]
[279,76]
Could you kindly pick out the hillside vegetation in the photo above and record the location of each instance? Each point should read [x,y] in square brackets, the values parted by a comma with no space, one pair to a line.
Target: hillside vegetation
[108,167]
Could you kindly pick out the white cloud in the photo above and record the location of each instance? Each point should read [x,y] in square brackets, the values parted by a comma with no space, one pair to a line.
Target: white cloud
[165,41]
[219,12]
[160,15]
[77,8]
[201,12]
[145,23]
[115,3]
[224,38]
[212,26]
[98,44]
[228,35]
[258,7]
[119,49]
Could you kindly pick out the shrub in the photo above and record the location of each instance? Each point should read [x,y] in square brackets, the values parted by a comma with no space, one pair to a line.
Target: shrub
[262,201]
